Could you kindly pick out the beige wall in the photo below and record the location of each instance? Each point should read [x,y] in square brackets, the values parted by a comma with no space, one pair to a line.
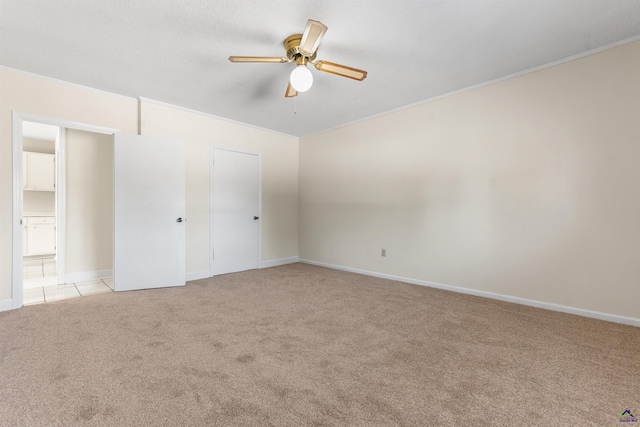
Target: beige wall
[527,187]
[89,190]
[279,177]
[38,145]
[38,96]
[39,201]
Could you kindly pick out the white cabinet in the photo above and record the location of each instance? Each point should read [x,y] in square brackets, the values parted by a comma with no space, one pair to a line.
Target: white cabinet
[39,236]
[38,171]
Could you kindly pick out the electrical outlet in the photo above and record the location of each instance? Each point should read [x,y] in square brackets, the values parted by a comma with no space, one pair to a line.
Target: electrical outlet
[384,252]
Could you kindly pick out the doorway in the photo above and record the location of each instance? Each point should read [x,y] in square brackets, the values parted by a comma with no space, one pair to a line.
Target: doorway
[40,143]
[67,213]
[235,211]
[41,233]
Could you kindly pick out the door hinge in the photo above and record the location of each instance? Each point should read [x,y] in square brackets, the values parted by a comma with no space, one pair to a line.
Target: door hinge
[213,254]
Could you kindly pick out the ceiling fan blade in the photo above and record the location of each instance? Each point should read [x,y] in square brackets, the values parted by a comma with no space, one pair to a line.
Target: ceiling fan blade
[258,59]
[311,37]
[291,92]
[341,70]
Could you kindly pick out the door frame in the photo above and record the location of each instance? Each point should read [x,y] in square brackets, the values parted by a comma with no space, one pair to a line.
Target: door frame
[212,148]
[16,262]
[61,202]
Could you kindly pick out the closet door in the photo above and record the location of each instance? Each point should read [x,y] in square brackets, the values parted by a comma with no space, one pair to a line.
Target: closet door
[149,215]
[235,214]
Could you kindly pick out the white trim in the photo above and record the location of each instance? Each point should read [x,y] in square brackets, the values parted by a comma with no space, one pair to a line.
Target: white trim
[212,116]
[16,289]
[259,210]
[211,234]
[63,82]
[61,202]
[212,148]
[532,303]
[235,150]
[6,305]
[66,123]
[205,274]
[487,83]
[277,262]
[87,276]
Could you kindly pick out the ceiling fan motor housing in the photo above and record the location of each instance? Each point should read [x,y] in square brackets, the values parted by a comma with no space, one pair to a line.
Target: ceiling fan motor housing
[292,46]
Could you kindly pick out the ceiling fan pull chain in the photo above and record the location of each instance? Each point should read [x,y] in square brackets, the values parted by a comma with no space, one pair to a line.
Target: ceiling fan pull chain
[295,105]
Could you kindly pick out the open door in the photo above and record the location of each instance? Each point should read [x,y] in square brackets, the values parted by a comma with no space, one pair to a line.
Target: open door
[149,212]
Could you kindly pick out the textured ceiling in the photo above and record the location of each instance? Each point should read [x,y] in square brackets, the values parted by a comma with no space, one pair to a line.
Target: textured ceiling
[176,51]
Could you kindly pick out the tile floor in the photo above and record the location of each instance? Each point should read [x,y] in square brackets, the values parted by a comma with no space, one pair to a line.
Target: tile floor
[40,283]
[39,272]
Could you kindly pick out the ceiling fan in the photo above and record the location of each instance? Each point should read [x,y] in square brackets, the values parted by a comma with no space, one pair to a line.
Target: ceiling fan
[302,48]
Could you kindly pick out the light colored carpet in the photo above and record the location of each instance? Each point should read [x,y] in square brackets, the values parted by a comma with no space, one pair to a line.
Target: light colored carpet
[300,345]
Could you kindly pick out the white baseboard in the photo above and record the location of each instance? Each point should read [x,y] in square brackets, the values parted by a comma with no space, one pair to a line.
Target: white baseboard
[86,276]
[539,304]
[277,262]
[6,304]
[205,274]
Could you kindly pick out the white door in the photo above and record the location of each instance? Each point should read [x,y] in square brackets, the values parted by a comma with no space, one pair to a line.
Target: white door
[149,212]
[235,213]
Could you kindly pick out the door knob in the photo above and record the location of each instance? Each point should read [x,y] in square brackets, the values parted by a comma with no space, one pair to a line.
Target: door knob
[180,220]
[256,217]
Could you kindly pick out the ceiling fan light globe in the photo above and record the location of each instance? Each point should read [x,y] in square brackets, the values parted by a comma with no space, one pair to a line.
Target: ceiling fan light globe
[301,78]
